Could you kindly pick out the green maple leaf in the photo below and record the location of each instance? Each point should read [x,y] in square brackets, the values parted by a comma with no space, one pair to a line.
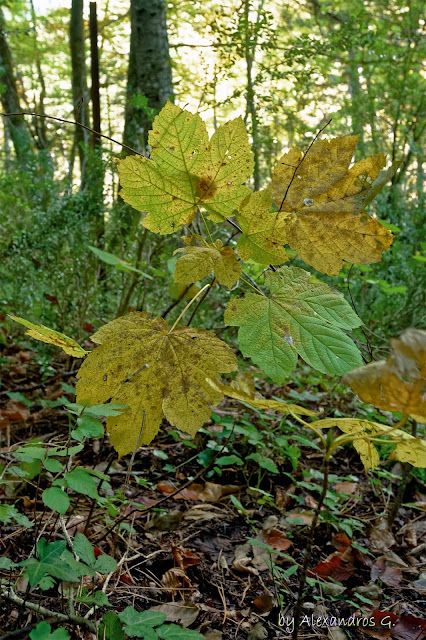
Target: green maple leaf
[298,318]
[187,171]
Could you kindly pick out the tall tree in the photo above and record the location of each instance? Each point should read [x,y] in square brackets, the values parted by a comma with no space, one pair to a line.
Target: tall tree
[80,92]
[149,76]
[17,128]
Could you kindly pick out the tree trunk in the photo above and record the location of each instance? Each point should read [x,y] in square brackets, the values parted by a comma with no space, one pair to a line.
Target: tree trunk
[19,134]
[80,93]
[250,50]
[357,101]
[39,123]
[149,77]
[94,67]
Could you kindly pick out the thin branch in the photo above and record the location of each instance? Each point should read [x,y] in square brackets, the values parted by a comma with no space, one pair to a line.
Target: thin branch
[369,345]
[9,594]
[78,124]
[200,301]
[178,299]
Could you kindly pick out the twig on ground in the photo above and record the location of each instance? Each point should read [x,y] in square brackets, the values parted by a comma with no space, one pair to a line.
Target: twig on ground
[9,594]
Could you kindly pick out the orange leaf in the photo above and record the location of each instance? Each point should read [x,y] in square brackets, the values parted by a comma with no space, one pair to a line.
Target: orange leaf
[278,540]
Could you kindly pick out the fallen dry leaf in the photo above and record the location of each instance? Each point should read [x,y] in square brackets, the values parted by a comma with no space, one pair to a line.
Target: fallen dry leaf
[242,561]
[391,576]
[409,628]
[189,493]
[184,558]
[174,579]
[405,627]
[339,566]
[13,412]
[380,537]
[341,540]
[184,613]
[346,487]
[297,516]
[278,540]
[264,603]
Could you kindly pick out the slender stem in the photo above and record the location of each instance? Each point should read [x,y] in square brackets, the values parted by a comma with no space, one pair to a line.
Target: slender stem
[309,425]
[206,225]
[343,439]
[176,302]
[250,285]
[188,305]
[369,345]
[308,551]
[200,301]
[407,469]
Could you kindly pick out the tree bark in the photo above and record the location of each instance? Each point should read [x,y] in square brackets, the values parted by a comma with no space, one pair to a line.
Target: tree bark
[250,51]
[94,67]
[357,101]
[19,134]
[39,123]
[80,93]
[149,73]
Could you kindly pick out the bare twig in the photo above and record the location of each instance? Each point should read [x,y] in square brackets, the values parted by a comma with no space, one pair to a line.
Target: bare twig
[200,301]
[176,302]
[369,346]
[9,594]
[78,124]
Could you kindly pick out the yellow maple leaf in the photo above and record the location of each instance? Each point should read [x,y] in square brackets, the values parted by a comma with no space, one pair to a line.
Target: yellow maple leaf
[361,430]
[264,233]
[50,336]
[154,371]
[322,204]
[198,261]
[408,448]
[412,451]
[399,383]
[229,162]
[242,389]
[187,171]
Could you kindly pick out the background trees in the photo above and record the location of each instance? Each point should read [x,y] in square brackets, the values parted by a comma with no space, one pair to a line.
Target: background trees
[287,69]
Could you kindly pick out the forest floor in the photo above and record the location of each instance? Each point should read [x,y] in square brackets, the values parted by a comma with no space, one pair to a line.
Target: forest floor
[223,555]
